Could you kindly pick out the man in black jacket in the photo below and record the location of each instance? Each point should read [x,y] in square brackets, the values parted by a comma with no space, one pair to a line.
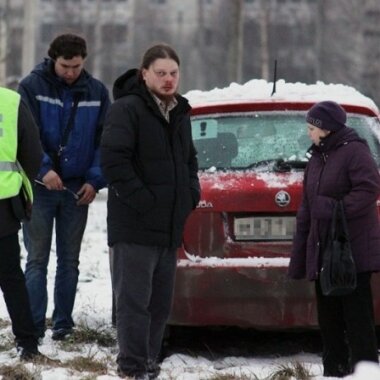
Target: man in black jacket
[149,161]
[19,148]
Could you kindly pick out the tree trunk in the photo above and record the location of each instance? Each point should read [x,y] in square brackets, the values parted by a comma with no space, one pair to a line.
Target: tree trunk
[264,40]
[29,36]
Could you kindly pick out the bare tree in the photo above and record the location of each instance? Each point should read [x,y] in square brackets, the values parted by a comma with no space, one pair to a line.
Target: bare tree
[235,40]
[29,36]
[340,40]
[371,33]
[264,39]
[4,10]
[200,52]
[219,41]
[319,37]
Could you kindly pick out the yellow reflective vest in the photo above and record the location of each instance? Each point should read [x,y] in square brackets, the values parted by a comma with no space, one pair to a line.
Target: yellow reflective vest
[12,176]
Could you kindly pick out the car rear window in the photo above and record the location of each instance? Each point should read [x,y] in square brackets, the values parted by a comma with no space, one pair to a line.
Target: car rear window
[258,139]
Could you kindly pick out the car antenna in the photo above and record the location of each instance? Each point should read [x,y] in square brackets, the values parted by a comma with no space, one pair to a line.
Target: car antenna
[274,77]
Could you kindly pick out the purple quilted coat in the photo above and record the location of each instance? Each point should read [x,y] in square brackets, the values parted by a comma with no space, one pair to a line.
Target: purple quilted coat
[341,167]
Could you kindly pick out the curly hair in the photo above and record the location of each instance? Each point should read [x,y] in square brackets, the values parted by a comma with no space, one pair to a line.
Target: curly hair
[67,46]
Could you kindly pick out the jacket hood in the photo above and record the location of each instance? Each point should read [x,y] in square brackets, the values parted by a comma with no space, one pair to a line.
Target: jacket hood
[45,70]
[127,83]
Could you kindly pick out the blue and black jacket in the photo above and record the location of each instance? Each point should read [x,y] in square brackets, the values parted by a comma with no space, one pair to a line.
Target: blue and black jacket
[50,99]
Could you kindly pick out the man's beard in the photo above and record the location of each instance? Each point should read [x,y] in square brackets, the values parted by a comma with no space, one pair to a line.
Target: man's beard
[165,98]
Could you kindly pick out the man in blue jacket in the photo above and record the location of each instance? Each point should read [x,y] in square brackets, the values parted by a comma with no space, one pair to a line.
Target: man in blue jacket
[69,106]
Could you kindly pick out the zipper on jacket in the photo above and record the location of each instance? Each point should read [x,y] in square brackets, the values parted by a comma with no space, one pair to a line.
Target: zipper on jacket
[324,160]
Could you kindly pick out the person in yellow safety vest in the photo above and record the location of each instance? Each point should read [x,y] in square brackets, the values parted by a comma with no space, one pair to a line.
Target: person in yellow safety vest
[20,159]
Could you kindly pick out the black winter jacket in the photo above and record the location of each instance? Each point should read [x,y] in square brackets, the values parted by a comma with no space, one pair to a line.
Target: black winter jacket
[29,155]
[150,165]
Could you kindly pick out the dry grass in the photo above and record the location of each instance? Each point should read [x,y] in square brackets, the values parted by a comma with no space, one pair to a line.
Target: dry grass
[290,371]
[4,323]
[6,341]
[83,334]
[88,364]
[95,347]
[19,372]
[233,377]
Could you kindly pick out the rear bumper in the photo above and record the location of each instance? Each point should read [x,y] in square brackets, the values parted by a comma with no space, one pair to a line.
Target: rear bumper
[246,296]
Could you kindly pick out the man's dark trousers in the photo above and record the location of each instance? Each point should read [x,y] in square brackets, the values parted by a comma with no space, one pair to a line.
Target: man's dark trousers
[12,283]
[143,282]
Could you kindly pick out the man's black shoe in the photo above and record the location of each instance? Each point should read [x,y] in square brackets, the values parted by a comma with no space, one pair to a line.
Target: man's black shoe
[29,354]
[338,370]
[153,370]
[61,334]
[132,376]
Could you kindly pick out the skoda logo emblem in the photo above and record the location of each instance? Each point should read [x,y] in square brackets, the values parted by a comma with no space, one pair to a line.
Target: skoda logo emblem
[282,198]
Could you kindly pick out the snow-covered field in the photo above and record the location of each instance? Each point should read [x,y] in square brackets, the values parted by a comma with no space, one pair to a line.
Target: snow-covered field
[93,306]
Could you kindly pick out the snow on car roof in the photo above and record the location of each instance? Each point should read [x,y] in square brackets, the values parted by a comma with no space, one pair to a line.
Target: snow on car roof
[259,90]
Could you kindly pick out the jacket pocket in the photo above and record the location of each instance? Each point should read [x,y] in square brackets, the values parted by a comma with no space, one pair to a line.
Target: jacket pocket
[141,200]
[20,207]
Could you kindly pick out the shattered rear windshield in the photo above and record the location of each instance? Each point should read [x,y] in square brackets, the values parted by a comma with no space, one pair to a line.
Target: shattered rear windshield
[245,140]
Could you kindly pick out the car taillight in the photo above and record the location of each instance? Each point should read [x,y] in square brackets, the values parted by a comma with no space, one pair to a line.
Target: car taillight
[264,228]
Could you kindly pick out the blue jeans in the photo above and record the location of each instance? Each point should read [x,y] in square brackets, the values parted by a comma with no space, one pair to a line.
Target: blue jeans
[70,222]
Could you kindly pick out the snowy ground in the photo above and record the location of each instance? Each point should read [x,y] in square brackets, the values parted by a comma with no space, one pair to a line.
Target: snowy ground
[93,305]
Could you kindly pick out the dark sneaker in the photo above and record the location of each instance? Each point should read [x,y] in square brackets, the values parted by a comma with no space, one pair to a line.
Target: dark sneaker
[33,355]
[153,370]
[27,354]
[61,334]
[132,375]
[337,371]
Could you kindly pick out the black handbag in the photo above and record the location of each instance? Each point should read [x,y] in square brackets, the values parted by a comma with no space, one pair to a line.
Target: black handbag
[338,273]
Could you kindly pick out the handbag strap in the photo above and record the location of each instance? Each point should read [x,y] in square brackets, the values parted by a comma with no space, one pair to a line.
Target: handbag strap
[334,220]
[342,219]
[339,219]
[69,126]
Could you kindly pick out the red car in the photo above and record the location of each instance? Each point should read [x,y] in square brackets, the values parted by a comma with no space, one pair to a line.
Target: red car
[252,151]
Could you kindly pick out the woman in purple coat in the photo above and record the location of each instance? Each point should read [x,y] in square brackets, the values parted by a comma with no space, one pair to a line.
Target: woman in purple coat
[340,167]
